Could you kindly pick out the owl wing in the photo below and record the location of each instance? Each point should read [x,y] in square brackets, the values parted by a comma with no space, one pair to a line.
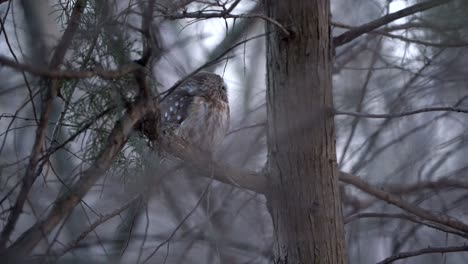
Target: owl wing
[174,108]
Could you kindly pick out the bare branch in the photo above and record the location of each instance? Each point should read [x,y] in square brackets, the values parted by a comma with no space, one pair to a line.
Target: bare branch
[200,162]
[225,15]
[370,26]
[235,130]
[402,189]
[385,32]
[428,250]
[232,6]
[147,53]
[414,112]
[393,199]
[103,218]
[407,217]
[458,44]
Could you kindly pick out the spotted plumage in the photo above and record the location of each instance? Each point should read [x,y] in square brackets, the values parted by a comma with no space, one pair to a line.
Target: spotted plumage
[198,111]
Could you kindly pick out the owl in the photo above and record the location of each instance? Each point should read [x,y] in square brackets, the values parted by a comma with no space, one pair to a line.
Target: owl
[198,111]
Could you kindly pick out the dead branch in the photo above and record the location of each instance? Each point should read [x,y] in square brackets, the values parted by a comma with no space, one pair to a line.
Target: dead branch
[225,13]
[203,164]
[443,183]
[393,199]
[370,26]
[408,217]
[102,219]
[409,113]
[428,250]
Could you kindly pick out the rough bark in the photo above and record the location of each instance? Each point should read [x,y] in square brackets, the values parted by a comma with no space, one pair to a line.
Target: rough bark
[304,197]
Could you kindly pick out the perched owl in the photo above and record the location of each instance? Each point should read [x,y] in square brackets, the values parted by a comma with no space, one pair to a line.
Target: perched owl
[198,111]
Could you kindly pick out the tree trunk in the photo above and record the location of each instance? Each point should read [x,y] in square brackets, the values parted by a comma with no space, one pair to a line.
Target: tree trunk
[304,197]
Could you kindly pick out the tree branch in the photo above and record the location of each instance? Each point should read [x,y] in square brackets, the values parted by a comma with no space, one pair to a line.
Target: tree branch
[103,218]
[428,250]
[393,199]
[402,189]
[65,74]
[407,217]
[200,162]
[53,87]
[225,14]
[457,44]
[414,112]
[386,32]
[63,205]
[368,27]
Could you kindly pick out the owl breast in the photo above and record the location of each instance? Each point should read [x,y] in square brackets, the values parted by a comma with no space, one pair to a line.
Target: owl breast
[207,123]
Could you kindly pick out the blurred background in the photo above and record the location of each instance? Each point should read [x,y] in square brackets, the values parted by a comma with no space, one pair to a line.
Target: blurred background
[416,62]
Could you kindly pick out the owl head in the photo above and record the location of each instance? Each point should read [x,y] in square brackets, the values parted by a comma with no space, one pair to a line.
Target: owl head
[206,84]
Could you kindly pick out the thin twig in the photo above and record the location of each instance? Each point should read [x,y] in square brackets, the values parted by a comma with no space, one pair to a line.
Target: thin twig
[102,219]
[171,236]
[414,112]
[235,130]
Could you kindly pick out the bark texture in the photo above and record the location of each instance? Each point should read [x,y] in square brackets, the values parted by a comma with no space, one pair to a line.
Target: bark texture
[304,197]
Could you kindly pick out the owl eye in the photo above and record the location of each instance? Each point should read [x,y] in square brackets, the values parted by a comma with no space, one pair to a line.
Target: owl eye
[223,88]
